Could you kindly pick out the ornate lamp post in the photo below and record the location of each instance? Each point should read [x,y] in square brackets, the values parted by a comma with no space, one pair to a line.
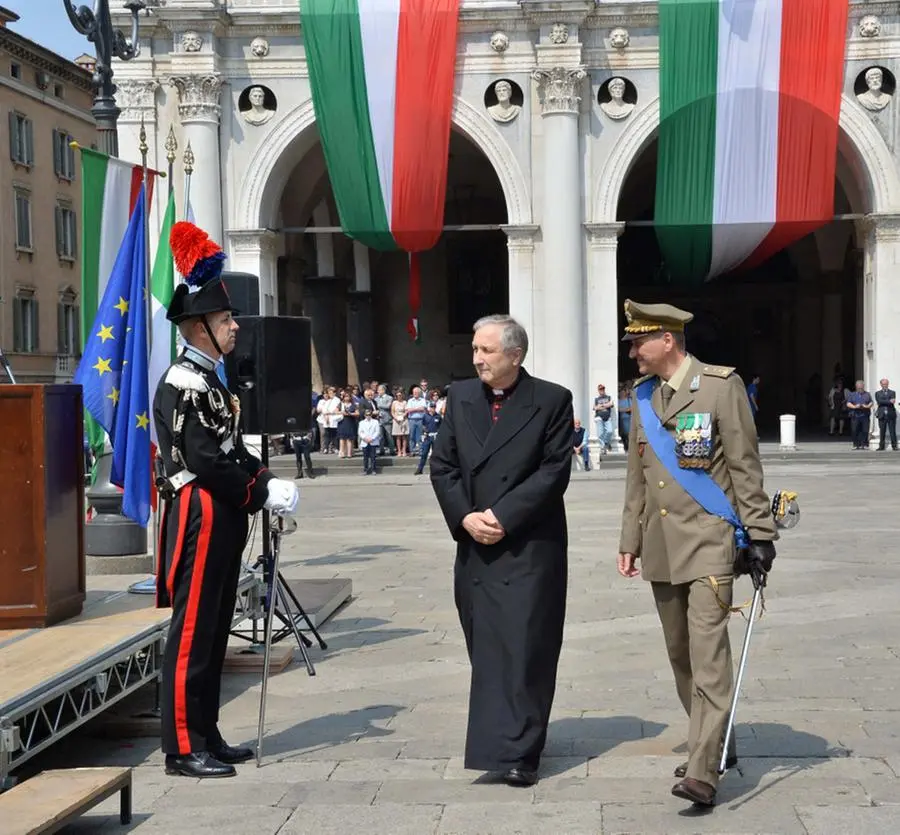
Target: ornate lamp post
[96,26]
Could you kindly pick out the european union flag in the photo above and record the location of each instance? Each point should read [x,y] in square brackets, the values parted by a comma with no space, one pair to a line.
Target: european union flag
[113,370]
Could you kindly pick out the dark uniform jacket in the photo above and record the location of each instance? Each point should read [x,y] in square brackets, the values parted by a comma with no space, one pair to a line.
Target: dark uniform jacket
[200,442]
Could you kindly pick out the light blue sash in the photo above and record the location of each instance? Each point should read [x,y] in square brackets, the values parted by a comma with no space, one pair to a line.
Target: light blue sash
[698,484]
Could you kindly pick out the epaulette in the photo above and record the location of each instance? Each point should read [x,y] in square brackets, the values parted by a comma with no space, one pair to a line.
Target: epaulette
[640,380]
[721,371]
[185,378]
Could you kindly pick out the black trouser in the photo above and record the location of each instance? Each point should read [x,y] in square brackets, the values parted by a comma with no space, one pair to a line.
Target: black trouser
[301,448]
[427,443]
[202,541]
[859,430]
[369,453]
[888,425]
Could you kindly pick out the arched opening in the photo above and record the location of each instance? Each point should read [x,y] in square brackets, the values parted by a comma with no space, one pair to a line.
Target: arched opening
[358,299]
[796,320]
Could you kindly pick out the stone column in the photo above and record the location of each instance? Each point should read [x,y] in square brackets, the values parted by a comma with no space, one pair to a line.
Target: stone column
[524,295]
[199,111]
[137,99]
[324,241]
[254,251]
[325,302]
[881,303]
[603,337]
[360,319]
[563,314]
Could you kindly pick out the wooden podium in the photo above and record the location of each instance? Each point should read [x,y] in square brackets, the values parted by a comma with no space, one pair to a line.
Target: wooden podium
[42,578]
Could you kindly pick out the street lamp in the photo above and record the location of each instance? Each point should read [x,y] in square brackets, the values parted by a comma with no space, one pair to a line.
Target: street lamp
[110,43]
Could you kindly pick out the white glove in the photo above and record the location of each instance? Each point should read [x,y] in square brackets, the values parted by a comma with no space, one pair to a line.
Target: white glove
[283,496]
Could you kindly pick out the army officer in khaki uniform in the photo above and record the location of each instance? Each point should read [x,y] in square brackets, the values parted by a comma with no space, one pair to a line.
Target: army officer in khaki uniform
[687,554]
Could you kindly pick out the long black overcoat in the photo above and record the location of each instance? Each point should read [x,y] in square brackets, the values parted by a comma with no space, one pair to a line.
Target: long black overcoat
[511,596]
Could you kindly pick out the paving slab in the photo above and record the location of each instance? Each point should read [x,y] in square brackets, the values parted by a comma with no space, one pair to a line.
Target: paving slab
[374,743]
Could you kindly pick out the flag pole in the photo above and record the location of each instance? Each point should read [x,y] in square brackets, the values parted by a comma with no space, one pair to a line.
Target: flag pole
[148,586]
[188,173]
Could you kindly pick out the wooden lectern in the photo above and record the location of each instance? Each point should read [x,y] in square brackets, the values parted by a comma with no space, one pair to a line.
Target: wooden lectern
[42,577]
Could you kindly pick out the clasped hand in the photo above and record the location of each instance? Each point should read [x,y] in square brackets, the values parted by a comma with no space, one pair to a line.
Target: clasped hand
[283,497]
[483,527]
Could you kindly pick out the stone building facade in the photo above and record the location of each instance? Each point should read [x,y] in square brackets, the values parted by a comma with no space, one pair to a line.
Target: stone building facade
[46,102]
[550,189]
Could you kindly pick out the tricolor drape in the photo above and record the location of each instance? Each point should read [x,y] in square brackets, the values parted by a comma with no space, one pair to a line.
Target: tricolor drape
[382,75]
[750,94]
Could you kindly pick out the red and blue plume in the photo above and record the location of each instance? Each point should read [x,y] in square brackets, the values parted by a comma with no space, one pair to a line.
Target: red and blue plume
[197,258]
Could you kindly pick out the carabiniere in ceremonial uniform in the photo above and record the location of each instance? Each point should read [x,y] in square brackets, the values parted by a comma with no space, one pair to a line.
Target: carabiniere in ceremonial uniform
[210,485]
[695,515]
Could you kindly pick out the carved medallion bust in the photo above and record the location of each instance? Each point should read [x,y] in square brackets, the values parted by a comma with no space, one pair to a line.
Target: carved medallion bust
[258,114]
[616,108]
[874,98]
[504,110]
[869,27]
[559,34]
[259,47]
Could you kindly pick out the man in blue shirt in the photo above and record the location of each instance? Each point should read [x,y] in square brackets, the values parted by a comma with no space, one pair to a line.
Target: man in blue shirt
[859,405]
[753,395]
[580,444]
[430,425]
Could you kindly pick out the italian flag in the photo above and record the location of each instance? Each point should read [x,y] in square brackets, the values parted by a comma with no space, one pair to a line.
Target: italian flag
[382,75]
[162,288]
[110,189]
[750,96]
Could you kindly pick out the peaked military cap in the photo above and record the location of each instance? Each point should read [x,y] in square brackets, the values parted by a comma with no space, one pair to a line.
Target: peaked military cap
[644,319]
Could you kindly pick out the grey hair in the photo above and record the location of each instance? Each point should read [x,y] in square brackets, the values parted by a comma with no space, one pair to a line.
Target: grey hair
[513,336]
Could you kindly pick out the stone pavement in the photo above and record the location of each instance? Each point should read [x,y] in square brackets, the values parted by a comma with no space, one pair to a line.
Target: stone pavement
[373,743]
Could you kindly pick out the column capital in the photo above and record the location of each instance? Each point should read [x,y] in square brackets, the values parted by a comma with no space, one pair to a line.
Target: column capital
[604,235]
[136,98]
[198,97]
[559,89]
[520,237]
[252,241]
[884,228]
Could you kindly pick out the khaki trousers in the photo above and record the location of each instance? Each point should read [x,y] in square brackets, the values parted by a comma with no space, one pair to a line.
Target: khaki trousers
[695,628]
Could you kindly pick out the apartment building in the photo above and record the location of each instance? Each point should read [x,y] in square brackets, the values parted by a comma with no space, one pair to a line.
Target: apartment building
[46,101]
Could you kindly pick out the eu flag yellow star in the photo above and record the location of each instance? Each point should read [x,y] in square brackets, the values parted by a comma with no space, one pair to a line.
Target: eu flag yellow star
[102,366]
[105,332]
[122,306]
[113,395]
[143,421]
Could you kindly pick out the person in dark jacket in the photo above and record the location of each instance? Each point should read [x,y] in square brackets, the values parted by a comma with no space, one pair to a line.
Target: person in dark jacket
[500,468]
[430,425]
[210,485]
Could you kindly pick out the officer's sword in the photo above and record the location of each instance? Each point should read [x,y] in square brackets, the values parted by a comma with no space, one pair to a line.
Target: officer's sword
[758,576]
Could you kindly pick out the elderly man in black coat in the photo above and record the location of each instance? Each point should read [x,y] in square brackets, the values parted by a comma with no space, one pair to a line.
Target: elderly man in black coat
[500,468]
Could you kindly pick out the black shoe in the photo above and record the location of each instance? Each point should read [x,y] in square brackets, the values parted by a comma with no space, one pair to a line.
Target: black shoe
[309,474]
[681,770]
[230,755]
[201,765]
[299,475]
[520,777]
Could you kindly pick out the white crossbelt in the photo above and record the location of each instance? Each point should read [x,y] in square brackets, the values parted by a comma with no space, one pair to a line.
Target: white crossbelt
[183,477]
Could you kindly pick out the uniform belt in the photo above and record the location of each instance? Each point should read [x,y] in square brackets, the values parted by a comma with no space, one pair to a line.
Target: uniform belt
[183,477]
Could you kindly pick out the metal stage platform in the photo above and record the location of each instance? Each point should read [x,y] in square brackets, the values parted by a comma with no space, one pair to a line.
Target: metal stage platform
[54,680]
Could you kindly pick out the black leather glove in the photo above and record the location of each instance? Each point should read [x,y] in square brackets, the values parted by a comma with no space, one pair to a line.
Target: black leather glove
[757,558]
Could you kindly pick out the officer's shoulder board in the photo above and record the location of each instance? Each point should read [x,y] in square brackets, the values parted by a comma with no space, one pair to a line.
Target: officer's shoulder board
[640,380]
[720,371]
[185,378]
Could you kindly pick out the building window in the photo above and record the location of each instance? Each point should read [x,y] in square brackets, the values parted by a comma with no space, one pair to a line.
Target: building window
[21,139]
[65,231]
[15,70]
[63,155]
[59,91]
[25,322]
[67,322]
[23,219]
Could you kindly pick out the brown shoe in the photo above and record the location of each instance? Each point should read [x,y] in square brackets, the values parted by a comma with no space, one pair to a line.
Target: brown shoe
[696,791]
[681,770]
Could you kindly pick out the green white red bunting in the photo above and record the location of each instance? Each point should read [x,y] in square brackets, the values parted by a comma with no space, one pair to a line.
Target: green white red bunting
[750,94]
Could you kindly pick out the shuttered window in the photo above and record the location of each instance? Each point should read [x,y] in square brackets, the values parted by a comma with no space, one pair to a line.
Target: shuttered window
[67,327]
[65,231]
[25,322]
[63,155]
[23,219]
[21,139]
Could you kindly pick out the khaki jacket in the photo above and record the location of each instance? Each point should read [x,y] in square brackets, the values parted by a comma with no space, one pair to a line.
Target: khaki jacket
[676,540]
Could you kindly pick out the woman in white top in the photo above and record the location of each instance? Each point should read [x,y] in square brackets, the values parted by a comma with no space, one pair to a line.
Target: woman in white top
[329,410]
[400,429]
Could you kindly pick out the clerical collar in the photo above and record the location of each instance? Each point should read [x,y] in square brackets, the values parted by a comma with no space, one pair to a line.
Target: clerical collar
[502,393]
[200,357]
